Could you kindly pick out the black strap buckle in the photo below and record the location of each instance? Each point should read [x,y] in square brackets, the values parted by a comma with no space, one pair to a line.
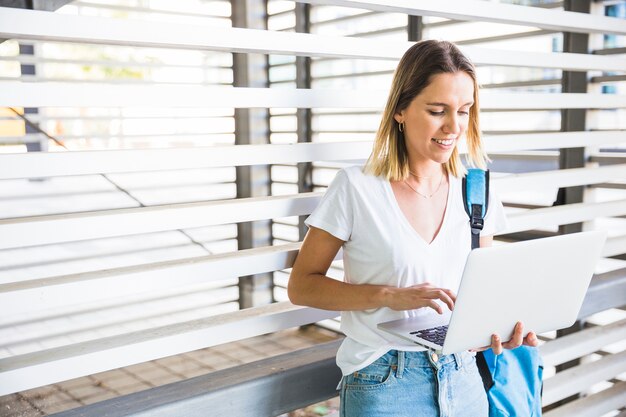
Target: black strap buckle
[476,220]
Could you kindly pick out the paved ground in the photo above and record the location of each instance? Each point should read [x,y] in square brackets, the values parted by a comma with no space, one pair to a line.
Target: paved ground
[98,387]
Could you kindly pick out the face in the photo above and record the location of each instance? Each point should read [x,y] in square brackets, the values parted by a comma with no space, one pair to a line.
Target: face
[437,118]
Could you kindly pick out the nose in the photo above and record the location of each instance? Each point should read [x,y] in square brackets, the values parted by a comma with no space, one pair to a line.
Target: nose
[452,124]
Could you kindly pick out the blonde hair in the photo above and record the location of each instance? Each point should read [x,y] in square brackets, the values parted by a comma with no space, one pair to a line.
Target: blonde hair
[389,157]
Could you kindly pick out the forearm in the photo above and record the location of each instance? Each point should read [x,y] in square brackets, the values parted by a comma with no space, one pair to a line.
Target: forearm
[320,291]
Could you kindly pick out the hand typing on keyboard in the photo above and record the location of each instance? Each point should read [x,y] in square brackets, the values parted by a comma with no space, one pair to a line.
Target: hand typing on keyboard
[418,296]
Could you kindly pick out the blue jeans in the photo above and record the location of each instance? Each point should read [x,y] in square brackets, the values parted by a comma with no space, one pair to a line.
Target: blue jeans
[403,384]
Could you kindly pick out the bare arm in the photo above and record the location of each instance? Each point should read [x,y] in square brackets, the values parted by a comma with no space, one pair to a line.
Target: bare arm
[309,285]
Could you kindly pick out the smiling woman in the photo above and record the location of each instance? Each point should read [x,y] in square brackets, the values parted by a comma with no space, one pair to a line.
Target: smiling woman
[405,237]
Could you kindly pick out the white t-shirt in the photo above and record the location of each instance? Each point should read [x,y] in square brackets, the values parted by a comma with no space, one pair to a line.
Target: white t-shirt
[382,248]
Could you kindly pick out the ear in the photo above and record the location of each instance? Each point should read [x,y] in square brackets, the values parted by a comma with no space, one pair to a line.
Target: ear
[399,117]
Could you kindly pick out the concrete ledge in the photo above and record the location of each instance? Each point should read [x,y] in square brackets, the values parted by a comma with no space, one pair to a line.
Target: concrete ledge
[265,388]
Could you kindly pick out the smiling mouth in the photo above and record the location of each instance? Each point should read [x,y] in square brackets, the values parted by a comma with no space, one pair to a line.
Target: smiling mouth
[445,142]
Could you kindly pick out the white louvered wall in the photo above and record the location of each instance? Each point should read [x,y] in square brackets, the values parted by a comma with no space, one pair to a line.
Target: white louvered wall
[138,207]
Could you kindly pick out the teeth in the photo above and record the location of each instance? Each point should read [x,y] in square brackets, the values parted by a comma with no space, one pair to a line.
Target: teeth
[444,142]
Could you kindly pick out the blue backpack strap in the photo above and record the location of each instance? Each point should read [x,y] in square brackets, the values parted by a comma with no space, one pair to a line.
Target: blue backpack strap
[476,200]
[513,379]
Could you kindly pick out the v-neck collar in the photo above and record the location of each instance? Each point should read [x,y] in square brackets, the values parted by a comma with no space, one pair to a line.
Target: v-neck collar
[396,207]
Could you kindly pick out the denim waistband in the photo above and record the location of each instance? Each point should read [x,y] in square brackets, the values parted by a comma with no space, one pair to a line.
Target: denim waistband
[404,359]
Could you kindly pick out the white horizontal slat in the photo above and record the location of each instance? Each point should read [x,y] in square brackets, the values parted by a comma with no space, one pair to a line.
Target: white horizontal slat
[557,179]
[531,156]
[28,24]
[58,364]
[566,214]
[40,118]
[561,21]
[493,100]
[576,345]
[565,61]
[65,94]
[33,59]
[75,325]
[59,94]
[151,10]
[52,292]
[41,164]
[211,133]
[614,246]
[42,230]
[594,405]
[521,142]
[41,80]
[38,230]
[46,26]
[579,378]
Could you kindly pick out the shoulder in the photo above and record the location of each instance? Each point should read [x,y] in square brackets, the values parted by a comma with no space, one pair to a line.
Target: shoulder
[347,178]
[354,172]
[357,177]
[354,182]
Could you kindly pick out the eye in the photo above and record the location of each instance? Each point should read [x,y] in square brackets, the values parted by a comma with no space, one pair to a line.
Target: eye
[436,113]
[464,113]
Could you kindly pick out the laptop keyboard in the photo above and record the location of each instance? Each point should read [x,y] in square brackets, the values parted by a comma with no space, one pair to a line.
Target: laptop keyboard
[434,335]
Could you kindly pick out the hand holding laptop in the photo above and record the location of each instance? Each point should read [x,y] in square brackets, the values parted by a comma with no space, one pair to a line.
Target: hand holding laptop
[517,340]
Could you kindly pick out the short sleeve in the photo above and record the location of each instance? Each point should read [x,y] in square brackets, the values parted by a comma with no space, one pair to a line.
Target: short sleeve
[495,220]
[334,213]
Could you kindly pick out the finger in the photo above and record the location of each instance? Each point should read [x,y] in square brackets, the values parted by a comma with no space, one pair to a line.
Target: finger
[480,349]
[434,306]
[531,340]
[451,294]
[437,293]
[496,344]
[443,296]
[517,338]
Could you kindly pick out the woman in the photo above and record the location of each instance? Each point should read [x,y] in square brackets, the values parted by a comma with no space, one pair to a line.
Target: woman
[405,237]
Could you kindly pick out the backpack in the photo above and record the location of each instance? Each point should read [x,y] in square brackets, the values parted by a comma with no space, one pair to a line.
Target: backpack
[513,379]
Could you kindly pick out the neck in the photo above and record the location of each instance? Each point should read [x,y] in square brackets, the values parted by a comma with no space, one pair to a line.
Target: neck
[431,172]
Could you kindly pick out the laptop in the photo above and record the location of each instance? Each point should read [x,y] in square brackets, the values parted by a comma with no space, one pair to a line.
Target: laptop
[540,282]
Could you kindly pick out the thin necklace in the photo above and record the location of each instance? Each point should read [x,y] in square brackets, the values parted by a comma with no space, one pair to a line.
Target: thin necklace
[419,176]
[423,195]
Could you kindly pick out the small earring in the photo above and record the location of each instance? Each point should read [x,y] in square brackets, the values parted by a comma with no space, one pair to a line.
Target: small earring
[401,126]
